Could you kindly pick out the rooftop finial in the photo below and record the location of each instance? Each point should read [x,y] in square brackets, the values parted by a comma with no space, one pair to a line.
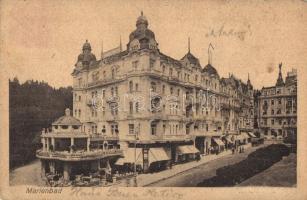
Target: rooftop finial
[86,40]
[209,53]
[189,43]
[141,12]
[101,49]
[120,42]
[67,112]
[248,76]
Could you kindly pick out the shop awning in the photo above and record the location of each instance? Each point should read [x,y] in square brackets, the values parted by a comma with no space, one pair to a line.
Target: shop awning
[193,149]
[157,154]
[252,135]
[184,149]
[239,137]
[229,140]
[245,135]
[129,156]
[218,141]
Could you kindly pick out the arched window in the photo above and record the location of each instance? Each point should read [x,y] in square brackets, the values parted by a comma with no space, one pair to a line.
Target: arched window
[171,72]
[136,87]
[131,107]
[113,73]
[116,91]
[153,86]
[163,69]
[130,86]
[137,107]
[153,127]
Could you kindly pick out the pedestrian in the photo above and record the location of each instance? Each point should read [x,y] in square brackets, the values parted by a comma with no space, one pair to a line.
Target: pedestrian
[233,150]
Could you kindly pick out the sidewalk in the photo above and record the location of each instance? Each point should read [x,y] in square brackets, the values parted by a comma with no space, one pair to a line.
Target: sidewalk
[147,179]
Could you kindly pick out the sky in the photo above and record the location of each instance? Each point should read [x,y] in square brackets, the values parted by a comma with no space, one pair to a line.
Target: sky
[42,39]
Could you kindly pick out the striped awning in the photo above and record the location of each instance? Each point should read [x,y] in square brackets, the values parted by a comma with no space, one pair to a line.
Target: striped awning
[252,134]
[130,155]
[157,154]
[186,149]
[218,141]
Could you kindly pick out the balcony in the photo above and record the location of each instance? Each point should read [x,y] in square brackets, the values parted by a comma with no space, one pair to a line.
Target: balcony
[100,137]
[79,155]
[113,99]
[165,138]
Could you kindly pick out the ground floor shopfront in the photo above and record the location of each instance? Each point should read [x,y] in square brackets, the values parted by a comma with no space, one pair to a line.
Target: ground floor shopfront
[153,157]
[67,171]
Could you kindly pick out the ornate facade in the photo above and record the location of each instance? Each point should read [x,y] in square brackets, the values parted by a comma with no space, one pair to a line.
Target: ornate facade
[148,108]
[161,105]
[278,107]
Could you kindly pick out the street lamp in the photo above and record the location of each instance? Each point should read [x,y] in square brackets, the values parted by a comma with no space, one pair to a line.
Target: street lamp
[136,138]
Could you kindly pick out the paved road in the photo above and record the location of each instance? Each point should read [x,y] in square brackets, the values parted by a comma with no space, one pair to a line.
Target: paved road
[27,175]
[194,176]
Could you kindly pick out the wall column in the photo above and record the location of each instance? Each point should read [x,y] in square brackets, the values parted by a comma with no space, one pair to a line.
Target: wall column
[47,140]
[43,142]
[52,143]
[72,142]
[43,168]
[88,144]
[66,171]
[52,166]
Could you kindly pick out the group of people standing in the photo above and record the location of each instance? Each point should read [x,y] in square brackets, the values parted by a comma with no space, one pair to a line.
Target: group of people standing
[239,149]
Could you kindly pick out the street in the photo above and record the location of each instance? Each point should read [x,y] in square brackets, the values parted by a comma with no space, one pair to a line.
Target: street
[192,177]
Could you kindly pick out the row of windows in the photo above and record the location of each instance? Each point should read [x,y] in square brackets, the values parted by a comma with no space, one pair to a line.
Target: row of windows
[135,88]
[187,76]
[279,122]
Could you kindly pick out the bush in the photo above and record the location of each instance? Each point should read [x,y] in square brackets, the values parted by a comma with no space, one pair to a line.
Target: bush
[256,162]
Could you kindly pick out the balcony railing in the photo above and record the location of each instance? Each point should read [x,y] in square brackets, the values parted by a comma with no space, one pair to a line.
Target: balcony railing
[171,137]
[79,155]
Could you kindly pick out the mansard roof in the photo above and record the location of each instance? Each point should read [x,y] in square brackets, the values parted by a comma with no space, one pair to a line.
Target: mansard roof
[210,70]
[191,58]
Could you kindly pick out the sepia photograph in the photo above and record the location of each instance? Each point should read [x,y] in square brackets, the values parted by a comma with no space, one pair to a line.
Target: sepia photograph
[103,96]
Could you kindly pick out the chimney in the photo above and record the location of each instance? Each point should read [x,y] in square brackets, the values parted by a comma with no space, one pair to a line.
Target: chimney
[67,112]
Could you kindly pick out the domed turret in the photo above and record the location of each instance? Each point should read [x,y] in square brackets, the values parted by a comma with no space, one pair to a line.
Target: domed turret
[87,46]
[86,58]
[141,21]
[142,37]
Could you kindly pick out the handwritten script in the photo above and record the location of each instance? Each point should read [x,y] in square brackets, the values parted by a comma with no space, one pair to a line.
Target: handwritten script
[224,31]
[119,193]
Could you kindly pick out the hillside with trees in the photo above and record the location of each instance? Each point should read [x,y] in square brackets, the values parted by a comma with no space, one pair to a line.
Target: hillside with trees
[33,105]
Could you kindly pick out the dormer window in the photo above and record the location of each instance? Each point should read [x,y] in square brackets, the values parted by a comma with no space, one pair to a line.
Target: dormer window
[151,63]
[135,65]
[171,72]
[64,127]
[75,127]
[163,69]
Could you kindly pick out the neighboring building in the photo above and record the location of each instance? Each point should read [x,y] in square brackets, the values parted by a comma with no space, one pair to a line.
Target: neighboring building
[68,151]
[238,112]
[278,107]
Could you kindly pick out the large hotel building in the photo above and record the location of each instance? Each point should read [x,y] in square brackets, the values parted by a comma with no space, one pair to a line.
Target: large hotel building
[160,104]
[140,105]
